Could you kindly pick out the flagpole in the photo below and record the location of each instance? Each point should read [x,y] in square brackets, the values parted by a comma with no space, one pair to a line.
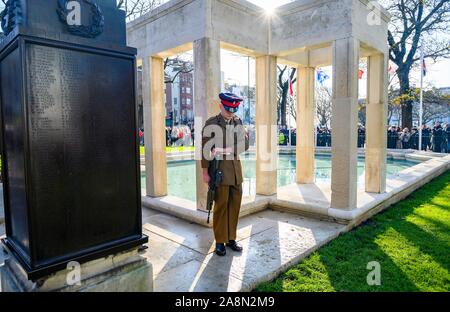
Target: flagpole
[421,97]
[288,114]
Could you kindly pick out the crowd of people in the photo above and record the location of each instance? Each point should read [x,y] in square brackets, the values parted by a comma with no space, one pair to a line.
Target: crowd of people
[184,135]
[284,138]
[180,135]
[323,136]
[436,139]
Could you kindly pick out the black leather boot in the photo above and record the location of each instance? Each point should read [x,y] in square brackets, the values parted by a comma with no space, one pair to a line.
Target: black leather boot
[234,246]
[221,250]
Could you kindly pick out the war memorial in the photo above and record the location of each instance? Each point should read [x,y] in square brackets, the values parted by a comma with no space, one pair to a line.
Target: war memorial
[72,197]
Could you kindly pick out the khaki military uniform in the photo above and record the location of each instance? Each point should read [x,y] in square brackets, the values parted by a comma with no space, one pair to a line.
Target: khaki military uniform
[219,132]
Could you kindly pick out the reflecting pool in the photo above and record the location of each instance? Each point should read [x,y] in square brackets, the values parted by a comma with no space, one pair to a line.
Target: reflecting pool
[181,174]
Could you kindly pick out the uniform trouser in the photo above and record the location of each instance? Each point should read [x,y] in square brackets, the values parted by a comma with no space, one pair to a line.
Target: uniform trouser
[226,212]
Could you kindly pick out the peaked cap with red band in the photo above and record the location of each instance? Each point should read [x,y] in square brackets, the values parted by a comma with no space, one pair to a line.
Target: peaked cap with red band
[230,101]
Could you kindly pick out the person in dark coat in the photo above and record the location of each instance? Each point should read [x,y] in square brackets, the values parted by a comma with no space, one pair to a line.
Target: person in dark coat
[389,139]
[437,136]
[447,131]
[414,140]
[426,137]
[285,132]
[320,137]
[328,137]
[294,137]
[361,136]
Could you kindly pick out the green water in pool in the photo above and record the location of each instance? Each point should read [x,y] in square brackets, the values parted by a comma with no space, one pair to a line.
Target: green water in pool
[181,174]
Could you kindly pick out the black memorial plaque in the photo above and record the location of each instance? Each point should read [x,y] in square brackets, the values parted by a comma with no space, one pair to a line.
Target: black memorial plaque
[70,143]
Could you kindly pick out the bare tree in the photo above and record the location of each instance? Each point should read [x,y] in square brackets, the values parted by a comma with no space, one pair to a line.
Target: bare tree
[136,8]
[173,67]
[435,105]
[415,23]
[292,106]
[393,107]
[323,105]
[285,75]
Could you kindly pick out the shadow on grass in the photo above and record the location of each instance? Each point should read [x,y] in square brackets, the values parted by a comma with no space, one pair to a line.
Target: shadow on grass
[426,242]
[391,238]
[440,226]
[346,260]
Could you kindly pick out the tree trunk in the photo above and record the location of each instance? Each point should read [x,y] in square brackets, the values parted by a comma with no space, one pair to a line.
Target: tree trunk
[283,104]
[407,104]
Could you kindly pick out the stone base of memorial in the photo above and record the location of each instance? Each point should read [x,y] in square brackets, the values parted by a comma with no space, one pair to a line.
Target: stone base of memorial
[126,271]
[70,148]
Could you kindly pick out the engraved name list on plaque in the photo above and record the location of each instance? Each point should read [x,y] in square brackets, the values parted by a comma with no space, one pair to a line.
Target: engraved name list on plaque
[69,135]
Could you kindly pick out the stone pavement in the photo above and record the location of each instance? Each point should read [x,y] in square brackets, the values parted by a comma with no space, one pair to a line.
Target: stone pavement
[183,260]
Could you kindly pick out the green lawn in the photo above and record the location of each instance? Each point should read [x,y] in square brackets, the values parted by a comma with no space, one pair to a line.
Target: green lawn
[172,149]
[410,240]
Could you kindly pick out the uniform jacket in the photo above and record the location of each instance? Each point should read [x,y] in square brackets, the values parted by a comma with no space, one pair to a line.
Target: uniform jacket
[225,136]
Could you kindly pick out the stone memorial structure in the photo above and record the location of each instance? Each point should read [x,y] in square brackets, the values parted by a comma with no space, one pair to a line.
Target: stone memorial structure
[70,148]
[304,34]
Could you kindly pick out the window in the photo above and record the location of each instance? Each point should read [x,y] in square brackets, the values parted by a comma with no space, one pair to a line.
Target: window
[188,90]
[188,101]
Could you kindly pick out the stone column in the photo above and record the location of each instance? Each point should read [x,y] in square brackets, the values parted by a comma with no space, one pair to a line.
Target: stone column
[305,125]
[344,123]
[154,126]
[207,81]
[266,125]
[376,124]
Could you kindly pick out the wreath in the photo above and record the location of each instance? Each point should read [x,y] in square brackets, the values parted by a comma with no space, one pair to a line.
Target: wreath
[14,12]
[5,25]
[91,31]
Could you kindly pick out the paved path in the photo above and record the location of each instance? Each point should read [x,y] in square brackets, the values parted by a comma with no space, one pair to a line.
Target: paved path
[183,259]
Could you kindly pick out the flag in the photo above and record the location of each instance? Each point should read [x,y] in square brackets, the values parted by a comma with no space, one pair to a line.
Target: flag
[322,76]
[422,61]
[291,87]
[360,74]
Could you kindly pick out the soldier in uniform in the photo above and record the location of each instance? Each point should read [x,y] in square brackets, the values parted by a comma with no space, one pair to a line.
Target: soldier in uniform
[225,137]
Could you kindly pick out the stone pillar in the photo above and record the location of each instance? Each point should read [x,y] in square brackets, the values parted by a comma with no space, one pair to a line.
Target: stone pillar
[344,123]
[154,126]
[305,125]
[266,125]
[376,139]
[207,81]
